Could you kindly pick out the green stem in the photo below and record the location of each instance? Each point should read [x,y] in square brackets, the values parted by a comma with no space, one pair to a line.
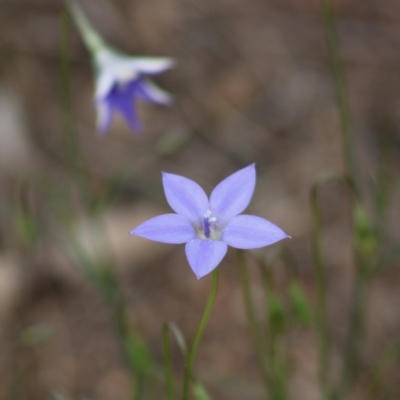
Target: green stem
[92,39]
[320,272]
[355,330]
[193,350]
[102,276]
[355,325]
[256,332]
[136,355]
[272,379]
[169,376]
[74,154]
[341,94]
[353,343]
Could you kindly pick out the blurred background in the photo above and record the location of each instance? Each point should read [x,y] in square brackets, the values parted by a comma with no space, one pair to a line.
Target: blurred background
[252,84]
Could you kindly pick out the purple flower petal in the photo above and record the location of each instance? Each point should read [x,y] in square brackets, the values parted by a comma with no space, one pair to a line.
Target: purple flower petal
[104,82]
[204,255]
[121,99]
[251,232]
[185,196]
[233,194]
[147,91]
[150,65]
[104,116]
[167,228]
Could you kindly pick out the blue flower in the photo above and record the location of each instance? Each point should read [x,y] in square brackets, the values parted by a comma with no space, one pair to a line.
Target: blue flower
[120,80]
[208,226]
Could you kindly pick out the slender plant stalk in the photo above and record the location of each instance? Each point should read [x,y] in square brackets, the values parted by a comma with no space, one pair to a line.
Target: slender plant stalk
[193,350]
[266,277]
[92,39]
[101,275]
[351,353]
[321,276]
[341,93]
[74,154]
[350,362]
[255,329]
[276,388]
[136,354]
[169,376]
[277,360]
[355,329]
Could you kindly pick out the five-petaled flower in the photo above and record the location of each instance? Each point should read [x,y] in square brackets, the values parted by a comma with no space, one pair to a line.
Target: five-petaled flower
[208,226]
[120,80]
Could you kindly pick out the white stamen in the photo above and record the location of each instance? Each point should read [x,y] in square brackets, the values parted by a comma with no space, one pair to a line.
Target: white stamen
[207,214]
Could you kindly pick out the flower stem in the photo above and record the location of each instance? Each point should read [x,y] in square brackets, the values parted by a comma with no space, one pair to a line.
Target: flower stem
[169,376]
[135,351]
[341,93]
[321,280]
[351,356]
[92,39]
[75,157]
[193,350]
[349,368]
[255,329]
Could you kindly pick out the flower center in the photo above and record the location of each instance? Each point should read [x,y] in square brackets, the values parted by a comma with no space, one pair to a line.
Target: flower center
[119,65]
[125,75]
[207,228]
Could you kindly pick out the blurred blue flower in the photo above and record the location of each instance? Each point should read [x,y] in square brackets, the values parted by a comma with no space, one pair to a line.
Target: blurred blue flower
[120,80]
[208,226]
